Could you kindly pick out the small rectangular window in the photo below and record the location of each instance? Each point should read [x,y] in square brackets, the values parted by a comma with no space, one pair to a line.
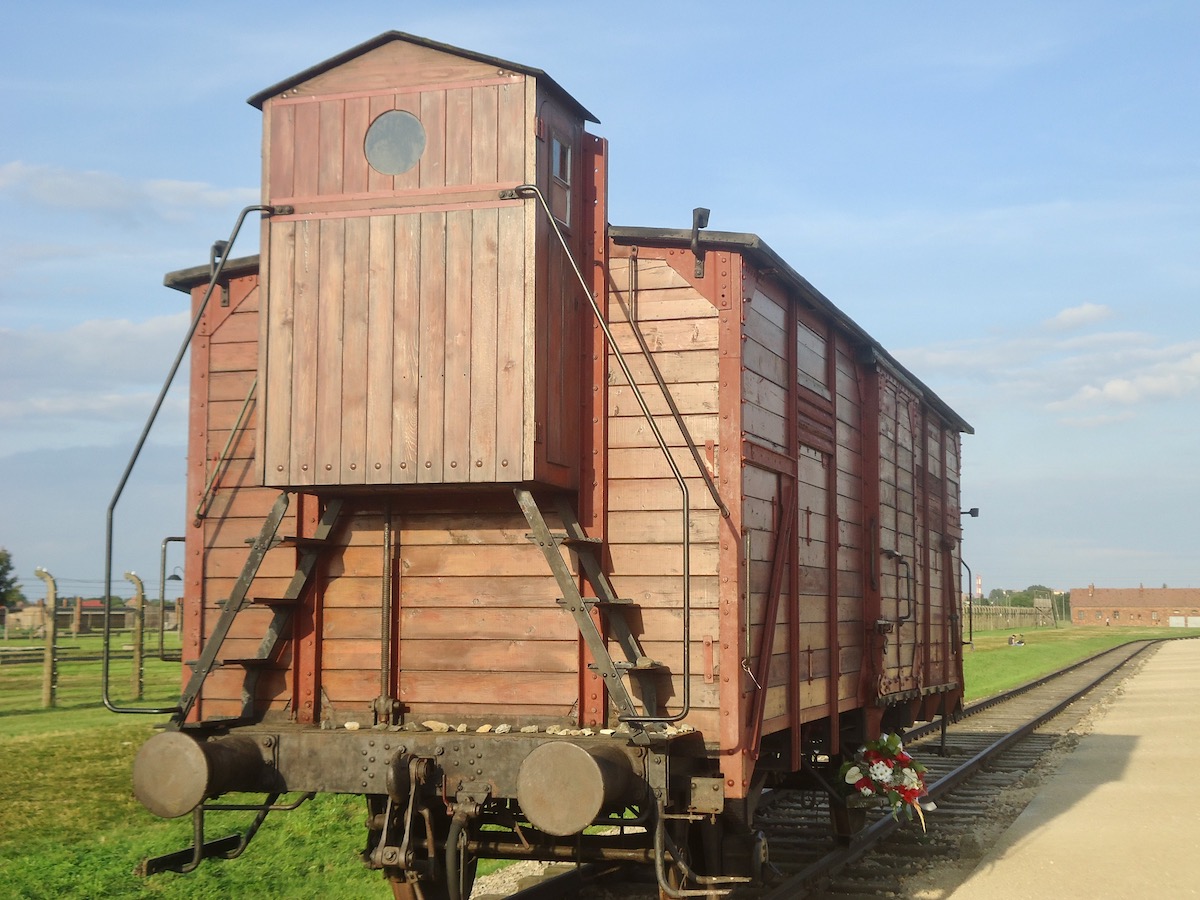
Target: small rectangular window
[560,180]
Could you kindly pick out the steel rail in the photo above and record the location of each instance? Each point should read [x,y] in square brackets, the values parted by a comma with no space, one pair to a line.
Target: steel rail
[806,880]
[809,880]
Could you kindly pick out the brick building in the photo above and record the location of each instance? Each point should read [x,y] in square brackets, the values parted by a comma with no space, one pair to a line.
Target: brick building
[1142,606]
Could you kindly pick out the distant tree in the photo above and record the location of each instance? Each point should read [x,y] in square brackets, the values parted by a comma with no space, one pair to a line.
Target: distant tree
[10,591]
[998,597]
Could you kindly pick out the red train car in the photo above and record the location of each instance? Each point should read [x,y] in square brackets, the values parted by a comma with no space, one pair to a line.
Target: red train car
[504,516]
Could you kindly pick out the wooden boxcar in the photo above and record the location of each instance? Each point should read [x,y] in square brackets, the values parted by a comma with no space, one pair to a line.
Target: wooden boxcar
[504,516]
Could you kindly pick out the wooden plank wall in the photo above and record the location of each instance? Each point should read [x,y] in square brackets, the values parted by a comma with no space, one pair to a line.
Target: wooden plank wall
[223,370]
[831,525]
[424,383]
[766,380]
[644,521]
[481,636]
[919,479]
[901,437]
[849,466]
[397,348]
[816,473]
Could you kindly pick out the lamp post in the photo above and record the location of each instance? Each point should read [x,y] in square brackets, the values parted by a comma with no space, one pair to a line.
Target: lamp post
[163,578]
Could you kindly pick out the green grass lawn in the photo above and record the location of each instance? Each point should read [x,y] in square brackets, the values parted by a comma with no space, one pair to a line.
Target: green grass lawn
[71,828]
[990,665]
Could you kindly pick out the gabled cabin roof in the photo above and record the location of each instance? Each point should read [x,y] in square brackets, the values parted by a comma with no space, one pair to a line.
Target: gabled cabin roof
[333,62]
[187,279]
[753,247]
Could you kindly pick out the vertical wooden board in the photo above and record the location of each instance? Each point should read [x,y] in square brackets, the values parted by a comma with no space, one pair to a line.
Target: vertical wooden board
[330,153]
[280,158]
[510,344]
[484,402]
[354,160]
[411,103]
[458,136]
[275,379]
[406,331]
[810,355]
[760,327]
[305,149]
[484,136]
[513,130]
[304,355]
[933,455]
[381,339]
[330,336]
[555,372]
[355,375]
[377,182]
[433,117]
[432,349]
[456,452]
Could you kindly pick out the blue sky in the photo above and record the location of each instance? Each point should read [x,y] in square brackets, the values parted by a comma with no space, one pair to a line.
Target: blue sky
[1007,196]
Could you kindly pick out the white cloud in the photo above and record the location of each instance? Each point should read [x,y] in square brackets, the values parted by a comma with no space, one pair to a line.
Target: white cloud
[1086,381]
[1079,316]
[92,383]
[112,196]
[96,352]
[1169,379]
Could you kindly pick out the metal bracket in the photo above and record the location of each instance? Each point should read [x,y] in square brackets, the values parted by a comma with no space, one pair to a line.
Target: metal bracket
[699,220]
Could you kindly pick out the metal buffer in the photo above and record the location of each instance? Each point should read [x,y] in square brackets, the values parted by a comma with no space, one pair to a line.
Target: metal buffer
[636,663]
[309,550]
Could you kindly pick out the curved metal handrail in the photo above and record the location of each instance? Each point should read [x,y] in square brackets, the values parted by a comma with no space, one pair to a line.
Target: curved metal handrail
[533,189]
[218,268]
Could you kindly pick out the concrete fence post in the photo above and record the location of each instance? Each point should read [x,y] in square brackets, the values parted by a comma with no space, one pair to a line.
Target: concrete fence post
[139,618]
[50,659]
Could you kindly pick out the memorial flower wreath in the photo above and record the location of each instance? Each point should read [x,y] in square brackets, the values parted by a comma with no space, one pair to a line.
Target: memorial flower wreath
[882,769]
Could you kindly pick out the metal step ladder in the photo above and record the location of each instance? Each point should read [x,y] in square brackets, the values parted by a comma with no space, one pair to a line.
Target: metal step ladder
[642,670]
[310,550]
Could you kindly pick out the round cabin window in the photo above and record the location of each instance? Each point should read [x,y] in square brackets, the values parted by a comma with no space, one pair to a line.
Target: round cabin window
[394,142]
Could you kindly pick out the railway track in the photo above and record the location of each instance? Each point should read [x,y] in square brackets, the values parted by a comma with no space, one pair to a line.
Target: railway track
[981,774]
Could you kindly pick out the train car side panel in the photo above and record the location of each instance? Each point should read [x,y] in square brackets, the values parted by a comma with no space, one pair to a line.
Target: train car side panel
[650,301]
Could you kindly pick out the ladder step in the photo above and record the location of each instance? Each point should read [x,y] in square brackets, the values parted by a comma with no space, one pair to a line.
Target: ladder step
[616,601]
[274,601]
[563,539]
[643,666]
[303,543]
[581,541]
[248,662]
[179,861]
